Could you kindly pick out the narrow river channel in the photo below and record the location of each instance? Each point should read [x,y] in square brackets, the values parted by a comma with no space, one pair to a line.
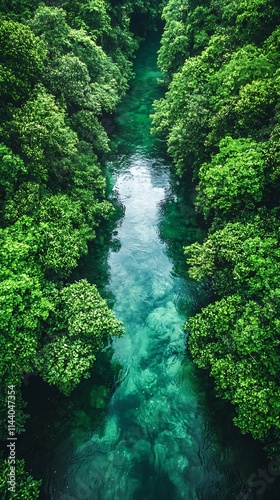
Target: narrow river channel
[160,438]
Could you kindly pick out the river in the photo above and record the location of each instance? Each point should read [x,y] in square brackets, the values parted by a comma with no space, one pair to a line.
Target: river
[155,433]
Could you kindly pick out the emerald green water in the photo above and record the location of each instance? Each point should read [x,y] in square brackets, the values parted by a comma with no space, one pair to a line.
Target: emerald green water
[154,433]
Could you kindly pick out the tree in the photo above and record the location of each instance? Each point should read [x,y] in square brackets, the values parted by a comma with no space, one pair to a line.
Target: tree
[252,21]
[26,486]
[22,57]
[89,129]
[50,24]
[243,257]
[185,113]
[238,343]
[186,33]
[42,138]
[60,69]
[83,324]
[79,73]
[12,169]
[234,179]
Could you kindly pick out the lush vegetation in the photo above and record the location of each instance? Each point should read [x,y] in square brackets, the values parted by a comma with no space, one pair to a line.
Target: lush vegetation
[63,67]
[221,119]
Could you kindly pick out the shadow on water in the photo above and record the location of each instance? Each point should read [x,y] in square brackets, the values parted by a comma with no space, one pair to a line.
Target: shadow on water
[158,487]
[94,265]
[58,424]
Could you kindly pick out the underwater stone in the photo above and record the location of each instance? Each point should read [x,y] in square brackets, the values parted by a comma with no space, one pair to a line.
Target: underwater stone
[147,379]
[142,447]
[98,397]
[160,455]
[112,430]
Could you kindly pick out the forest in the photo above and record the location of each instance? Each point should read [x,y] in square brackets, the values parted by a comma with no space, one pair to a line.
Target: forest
[221,120]
[64,66]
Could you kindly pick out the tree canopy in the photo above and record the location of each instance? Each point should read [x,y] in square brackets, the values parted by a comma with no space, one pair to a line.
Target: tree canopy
[220,116]
[62,68]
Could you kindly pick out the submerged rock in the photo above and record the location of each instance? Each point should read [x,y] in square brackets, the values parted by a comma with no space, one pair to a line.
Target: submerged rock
[98,396]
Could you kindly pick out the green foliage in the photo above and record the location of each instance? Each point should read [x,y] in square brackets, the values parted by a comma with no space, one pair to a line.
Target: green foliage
[63,234]
[225,89]
[253,20]
[79,72]
[26,486]
[241,257]
[187,32]
[85,323]
[220,116]
[237,337]
[234,179]
[89,129]
[237,342]
[49,23]
[87,314]
[18,11]
[11,168]
[26,300]
[42,137]
[96,13]
[185,112]
[243,95]
[61,68]
[273,151]
[64,362]
[22,57]
[91,13]
[70,79]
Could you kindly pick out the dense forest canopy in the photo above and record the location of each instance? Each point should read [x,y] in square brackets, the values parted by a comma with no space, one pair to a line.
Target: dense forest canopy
[220,117]
[63,66]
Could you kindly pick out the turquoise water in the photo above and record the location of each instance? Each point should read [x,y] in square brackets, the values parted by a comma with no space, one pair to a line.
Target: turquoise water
[154,433]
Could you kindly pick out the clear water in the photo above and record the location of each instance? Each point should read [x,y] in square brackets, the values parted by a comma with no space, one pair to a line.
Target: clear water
[154,433]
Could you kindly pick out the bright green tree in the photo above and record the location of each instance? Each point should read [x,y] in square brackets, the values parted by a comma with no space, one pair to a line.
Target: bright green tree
[22,57]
